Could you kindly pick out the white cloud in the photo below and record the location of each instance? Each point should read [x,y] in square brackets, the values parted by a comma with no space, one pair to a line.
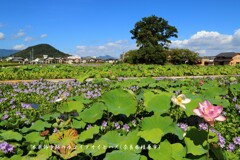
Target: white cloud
[210,43]
[19,47]
[28,39]
[21,33]
[43,35]
[114,49]
[1,36]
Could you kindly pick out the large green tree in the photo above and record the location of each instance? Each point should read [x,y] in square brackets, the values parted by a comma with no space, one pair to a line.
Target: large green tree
[182,56]
[153,31]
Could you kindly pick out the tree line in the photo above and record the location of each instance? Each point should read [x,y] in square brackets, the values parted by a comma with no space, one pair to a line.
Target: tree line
[152,36]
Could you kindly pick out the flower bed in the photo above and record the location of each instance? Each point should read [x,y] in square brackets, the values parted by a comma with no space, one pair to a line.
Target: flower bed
[124,119]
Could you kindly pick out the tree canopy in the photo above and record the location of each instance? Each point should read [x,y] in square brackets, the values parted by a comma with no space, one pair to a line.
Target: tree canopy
[153,31]
[182,56]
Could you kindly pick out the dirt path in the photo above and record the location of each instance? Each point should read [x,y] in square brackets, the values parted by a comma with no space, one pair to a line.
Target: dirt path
[124,78]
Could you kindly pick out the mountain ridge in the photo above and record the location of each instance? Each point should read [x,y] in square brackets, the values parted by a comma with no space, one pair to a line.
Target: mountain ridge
[7,52]
[40,50]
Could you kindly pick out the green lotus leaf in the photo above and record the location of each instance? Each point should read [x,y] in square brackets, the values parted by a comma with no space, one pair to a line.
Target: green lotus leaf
[174,129]
[235,89]
[11,135]
[88,134]
[178,151]
[153,135]
[194,149]
[130,141]
[39,125]
[119,101]
[47,117]
[163,152]
[113,138]
[92,114]
[71,106]
[33,137]
[195,141]
[43,154]
[99,147]
[156,121]
[123,155]
[78,124]
[146,81]
[191,106]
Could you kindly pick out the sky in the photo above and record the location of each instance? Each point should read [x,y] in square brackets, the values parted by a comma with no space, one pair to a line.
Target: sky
[102,27]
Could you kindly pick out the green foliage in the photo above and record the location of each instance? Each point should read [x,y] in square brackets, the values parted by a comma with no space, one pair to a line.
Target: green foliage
[153,31]
[182,56]
[124,155]
[120,102]
[11,135]
[148,124]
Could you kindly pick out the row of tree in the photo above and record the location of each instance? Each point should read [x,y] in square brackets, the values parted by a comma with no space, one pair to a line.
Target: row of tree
[152,36]
[157,55]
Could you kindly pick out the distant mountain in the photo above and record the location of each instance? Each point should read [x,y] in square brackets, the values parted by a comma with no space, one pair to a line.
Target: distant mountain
[106,57]
[40,50]
[7,52]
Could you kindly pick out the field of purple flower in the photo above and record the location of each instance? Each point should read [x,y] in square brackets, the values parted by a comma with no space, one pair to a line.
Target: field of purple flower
[136,119]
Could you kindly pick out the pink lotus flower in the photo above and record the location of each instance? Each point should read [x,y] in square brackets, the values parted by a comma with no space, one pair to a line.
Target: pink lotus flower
[209,112]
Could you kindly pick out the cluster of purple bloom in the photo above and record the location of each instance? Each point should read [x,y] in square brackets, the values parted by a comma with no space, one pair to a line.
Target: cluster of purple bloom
[183,126]
[133,88]
[26,106]
[221,140]
[92,94]
[6,147]
[237,108]
[116,125]
[104,124]
[203,126]
[5,116]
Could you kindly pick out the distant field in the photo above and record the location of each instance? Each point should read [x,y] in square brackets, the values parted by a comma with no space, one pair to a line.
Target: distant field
[80,72]
[7,64]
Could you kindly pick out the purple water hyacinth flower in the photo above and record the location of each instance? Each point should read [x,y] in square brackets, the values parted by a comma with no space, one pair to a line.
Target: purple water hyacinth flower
[117,125]
[89,126]
[237,106]
[183,126]
[203,126]
[13,106]
[104,124]
[120,79]
[24,105]
[236,140]
[234,99]
[221,140]
[134,122]
[6,147]
[126,127]
[231,147]
[55,130]
[177,92]
[5,117]
[11,102]
[23,116]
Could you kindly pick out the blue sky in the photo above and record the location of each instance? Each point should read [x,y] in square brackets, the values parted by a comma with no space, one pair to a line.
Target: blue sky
[100,27]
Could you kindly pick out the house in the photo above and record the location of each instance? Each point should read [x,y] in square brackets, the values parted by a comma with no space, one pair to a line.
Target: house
[15,59]
[227,58]
[37,61]
[111,61]
[49,60]
[73,59]
[207,61]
